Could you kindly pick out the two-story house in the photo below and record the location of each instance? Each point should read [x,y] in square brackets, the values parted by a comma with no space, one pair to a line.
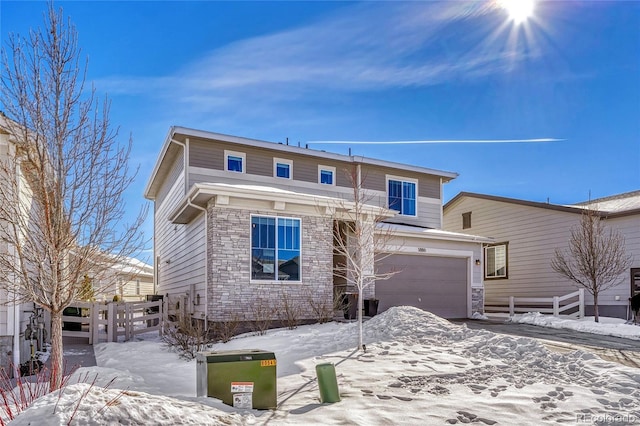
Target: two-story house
[237,221]
[526,235]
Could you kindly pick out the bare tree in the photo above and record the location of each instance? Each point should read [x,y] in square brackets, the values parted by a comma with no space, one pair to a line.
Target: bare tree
[62,216]
[361,241]
[595,258]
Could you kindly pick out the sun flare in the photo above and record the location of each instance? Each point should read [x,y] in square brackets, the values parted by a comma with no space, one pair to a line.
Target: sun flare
[518,10]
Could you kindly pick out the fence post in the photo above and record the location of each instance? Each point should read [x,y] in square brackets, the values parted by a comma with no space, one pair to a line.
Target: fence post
[112,325]
[512,303]
[161,319]
[556,306]
[92,322]
[127,321]
[581,300]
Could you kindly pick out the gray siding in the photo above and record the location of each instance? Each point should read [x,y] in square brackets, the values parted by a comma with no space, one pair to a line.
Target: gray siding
[210,155]
[180,249]
[533,235]
[173,175]
[207,157]
[203,153]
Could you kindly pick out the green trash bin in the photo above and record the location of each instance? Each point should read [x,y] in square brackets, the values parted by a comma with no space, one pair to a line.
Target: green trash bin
[327,383]
[240,378]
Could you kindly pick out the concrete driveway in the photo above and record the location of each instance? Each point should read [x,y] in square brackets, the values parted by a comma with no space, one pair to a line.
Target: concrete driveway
[616,349]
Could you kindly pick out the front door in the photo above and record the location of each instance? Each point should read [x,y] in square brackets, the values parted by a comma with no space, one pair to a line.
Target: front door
[635,281]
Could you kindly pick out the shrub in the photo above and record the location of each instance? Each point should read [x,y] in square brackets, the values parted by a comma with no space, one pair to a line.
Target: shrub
[186,335]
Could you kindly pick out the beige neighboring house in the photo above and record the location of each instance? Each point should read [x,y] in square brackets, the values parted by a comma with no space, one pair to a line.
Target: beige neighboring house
[241,222]
[14,349]
[526,234]
[131,280]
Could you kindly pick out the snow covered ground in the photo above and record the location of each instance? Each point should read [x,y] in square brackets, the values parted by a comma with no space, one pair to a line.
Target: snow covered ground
[417,369]
[607,326]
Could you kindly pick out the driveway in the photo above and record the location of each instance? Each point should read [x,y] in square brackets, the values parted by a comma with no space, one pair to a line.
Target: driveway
[616,349]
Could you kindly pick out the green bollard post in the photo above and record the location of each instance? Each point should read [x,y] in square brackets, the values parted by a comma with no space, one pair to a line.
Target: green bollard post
[327,383]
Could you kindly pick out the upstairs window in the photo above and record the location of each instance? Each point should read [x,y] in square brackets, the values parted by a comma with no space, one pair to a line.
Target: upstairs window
[275,248]
[234,161]
[326,175]
[282,168]
[402,196]
[466,220]
[495,261]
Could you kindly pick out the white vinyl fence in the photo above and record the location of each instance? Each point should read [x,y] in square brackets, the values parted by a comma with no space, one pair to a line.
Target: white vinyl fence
[107,322]
[556,305]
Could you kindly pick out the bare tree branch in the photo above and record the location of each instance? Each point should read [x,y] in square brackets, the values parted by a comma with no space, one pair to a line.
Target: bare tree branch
[360,240]
[595,258]
[64,176]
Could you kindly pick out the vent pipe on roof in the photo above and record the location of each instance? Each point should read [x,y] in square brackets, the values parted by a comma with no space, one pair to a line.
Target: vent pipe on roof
[306,146]
[287,141]
[349,151]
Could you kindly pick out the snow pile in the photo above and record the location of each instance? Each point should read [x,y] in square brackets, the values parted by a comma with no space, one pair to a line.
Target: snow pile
[607,326]
[88,404]
[417,369]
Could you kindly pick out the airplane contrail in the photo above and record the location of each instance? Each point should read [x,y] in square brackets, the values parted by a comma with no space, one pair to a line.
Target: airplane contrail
[538,140]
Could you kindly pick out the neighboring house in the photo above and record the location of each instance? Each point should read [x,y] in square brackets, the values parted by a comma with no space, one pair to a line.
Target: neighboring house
[130,279]
[14,317]
[239,223]
[526,236]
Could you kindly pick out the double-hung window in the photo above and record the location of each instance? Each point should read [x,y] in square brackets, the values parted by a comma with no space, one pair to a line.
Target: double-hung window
[326,175]
[495,263]
[282,168]
[275,248]
[234,161]
[402,196]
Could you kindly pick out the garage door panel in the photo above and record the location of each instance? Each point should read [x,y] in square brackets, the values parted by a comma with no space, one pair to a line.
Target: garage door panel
[434,284]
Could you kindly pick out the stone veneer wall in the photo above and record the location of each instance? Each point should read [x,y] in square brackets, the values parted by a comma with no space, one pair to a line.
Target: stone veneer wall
[231,295]
[477,300]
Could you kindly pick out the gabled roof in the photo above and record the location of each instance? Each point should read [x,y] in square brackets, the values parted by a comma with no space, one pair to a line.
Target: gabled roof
[177,134]
[608,207]
[615,203]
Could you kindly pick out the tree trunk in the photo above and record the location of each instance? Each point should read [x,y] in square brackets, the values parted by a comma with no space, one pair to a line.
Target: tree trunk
[360,295]
[57,364]
[595,307]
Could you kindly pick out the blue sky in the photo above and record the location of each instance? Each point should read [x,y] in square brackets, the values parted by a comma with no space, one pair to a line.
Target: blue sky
[379,71]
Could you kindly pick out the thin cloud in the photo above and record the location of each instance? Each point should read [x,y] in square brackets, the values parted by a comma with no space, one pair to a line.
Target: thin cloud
[360,48]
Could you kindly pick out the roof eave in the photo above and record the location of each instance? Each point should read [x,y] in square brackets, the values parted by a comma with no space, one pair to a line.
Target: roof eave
[148,193]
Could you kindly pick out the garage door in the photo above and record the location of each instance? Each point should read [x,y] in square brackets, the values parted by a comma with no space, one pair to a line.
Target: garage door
[434,284]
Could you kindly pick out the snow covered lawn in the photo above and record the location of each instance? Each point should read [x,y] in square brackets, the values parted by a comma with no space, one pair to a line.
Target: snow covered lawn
[418,369]
[607,326]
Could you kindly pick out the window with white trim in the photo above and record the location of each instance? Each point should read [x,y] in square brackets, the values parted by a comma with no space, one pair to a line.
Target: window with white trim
[327,175]
[282,168]
[275,248]
[402,196]
[495,261]
[234,161]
